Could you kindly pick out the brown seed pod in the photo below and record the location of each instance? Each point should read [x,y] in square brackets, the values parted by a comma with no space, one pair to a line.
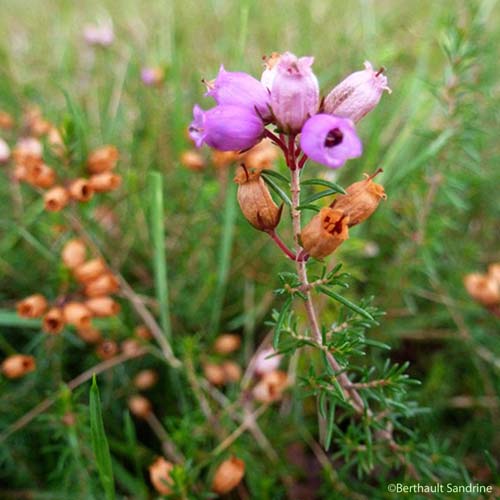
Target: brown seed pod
[139,406]
[77,314]
[102,159]
[103,285]
[192,160]
[103,307]
[28,152]
[107,181]
[32,307]
[131,347]
[222,159]
[81,190]
[325,232]
[20,173]
[145,379]
[89,335]
[361,200]
[482,288]
[232,371]
[53,321]
[227,343]
[214,373]
[159,475]
[494,272]
[56,199]
[228,475]
[74,253]
[255,200]
[261,156]
[18,365]
[6,120]
[270,387]
[41,175]
[107,349]
[90,270]
[142,331]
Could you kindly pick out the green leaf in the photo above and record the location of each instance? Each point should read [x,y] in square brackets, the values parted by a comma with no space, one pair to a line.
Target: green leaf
[100,443]
[309,207]
[277,175]
[330,426]
[318,196]
[277,190]
[280,321]
[322,182]
[346,302]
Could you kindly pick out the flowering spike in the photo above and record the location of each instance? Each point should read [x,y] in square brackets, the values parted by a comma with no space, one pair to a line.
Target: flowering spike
[358,94]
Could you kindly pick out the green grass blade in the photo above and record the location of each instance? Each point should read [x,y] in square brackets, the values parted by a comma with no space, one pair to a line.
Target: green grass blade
[346,302]
[100,443]
[10,318]
[322,182]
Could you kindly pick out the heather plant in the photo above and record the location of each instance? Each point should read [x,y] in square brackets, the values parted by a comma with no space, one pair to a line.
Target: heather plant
[295,295]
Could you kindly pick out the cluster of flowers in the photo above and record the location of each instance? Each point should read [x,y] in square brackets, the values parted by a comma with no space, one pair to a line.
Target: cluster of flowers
[485,288]
[30,167]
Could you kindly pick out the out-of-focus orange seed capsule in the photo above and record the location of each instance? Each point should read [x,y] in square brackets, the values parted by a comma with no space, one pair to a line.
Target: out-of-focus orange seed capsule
[81,190]
[74,253]
[227,343]
[494,272]
[103,307]
[77,314]
[56,199]
[261,156]
[214,374]
[139,406]
[20,173]
[53,321]
[228,475]
[192,160]
[145,379]
[102,159]
[103,285]
[107,349]
[482,288]
[142,331]
[32,307]
[89,335]
[90,270]
[131,347]
[232,371]
[18,365]
[6,120]
[224,158]
[159,475]
[28,152]
[41,176]
[270,388]
[107,181]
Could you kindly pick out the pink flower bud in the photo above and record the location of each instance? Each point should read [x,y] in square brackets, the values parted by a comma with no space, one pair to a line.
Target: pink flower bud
[267,361]
[269,72]
[358,94]
[4,151]
[295,92]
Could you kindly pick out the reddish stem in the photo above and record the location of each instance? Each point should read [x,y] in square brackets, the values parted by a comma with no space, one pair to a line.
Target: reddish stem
[277,140]
[274,236]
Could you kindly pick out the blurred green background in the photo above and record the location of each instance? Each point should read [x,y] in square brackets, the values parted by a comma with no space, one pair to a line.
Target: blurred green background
[435,137]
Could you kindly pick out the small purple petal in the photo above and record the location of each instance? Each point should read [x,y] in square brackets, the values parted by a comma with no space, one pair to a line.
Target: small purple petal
[227,128]
[330,140]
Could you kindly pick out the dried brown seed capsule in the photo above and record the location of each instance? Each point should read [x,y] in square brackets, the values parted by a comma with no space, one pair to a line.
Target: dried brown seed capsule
[41,176]
[102,159]
[130,347]
[81,190]
[325,232]
[20,173]
[159,475]
[90,270]
[32,307]
[53,321]
[214,374]
[192,160]
[103,307]
[77,314]
[482,288]
[494,272]
[18,365]
[103,285]
[6,120]
[142,331]
[271,386]
[227,343]
[222,159]
[361,200]
[145,379]
[56,199]
[74,253]
[263,155]
[107,349]
[107,181]
[28,152]
[89,335]
[139,406]
[228,475]
[35,122]
[255,201]
[232,371]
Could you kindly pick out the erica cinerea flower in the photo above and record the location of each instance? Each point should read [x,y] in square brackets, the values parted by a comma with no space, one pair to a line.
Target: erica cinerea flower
[358,94]
[330,140]
[239,89]
[228,128]
[294,92]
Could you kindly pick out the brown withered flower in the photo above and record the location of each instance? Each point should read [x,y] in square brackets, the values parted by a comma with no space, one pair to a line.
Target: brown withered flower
[104,182]
[81,190]
[228,475]
[271,387]
[107,349]
[361,200]
[159,475]
[232,371]
[255,200]
[192,160]
[325,232]
[41,175]
[482,288]
[89,335]
[263,155]
[103,285]
[143,332]
[77,314]
[227,343]
[103,307]
[214,373]
[53,321]
[6,120]
[32,307]
[102,159]
[139,406]
[56,199]
[222,159]
[74,253]
[18,365]
[145,379]
[90,270]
